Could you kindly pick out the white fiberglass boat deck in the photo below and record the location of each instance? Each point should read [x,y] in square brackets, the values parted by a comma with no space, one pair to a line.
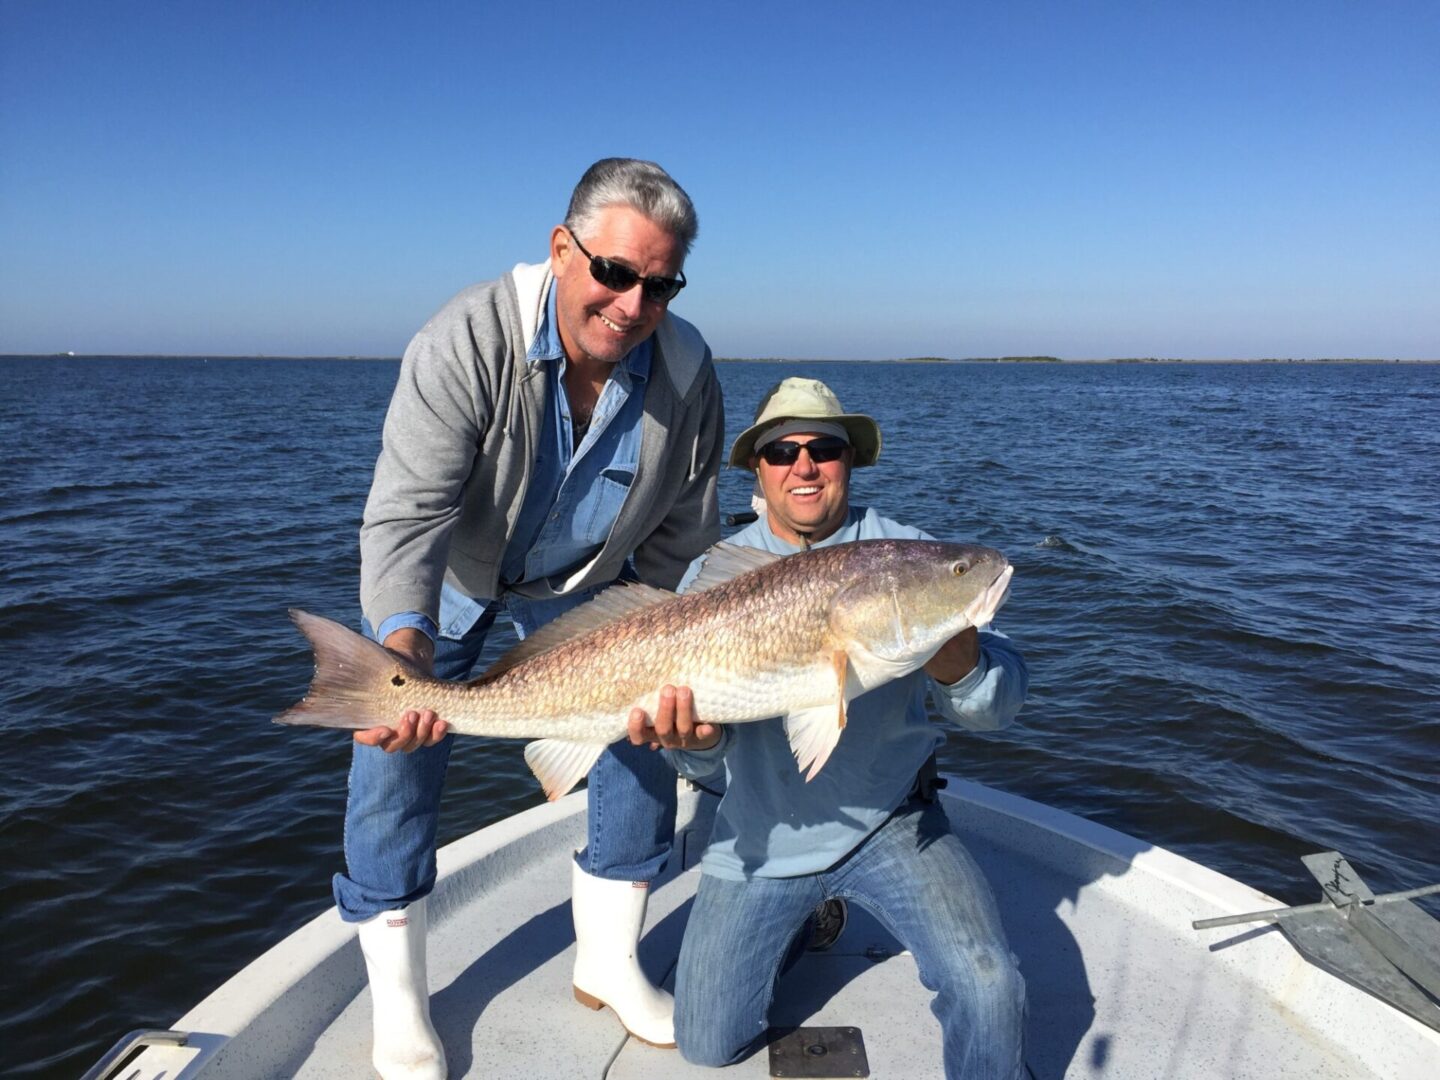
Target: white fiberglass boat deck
[1120,985]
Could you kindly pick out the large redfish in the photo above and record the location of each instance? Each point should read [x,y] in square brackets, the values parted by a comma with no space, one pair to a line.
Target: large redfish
[755,636]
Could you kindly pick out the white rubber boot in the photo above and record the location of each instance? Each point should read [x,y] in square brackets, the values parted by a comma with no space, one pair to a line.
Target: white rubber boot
[406,1046]
[609,916]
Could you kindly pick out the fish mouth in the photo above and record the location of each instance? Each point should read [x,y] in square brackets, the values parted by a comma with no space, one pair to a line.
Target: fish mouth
[983,608]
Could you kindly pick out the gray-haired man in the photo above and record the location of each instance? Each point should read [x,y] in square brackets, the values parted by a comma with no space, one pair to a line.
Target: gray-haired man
[550,432]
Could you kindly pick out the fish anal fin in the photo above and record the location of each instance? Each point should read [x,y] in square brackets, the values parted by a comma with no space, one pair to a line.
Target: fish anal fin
[724,561]
[813,734]
[840,660]
[560,764]
[613,604]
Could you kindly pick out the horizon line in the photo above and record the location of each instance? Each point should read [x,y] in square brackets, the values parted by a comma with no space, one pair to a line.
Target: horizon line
[1016,359]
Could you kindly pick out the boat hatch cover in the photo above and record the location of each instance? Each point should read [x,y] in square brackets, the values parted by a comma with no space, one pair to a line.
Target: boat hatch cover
[819,1052]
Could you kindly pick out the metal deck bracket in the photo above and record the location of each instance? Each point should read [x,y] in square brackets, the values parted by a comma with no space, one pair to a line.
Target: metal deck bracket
[819,1052]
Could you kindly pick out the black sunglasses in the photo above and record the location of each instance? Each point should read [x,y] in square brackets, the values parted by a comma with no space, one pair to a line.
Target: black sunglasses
[783,452]
[620,278]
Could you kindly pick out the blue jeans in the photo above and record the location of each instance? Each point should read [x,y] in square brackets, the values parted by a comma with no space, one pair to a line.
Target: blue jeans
[394,802]
[923,886]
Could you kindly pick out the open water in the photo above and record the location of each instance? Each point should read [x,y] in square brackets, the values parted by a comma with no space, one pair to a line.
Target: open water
[1225,586]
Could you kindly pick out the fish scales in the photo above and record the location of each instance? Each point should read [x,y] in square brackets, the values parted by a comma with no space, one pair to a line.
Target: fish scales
[721,643]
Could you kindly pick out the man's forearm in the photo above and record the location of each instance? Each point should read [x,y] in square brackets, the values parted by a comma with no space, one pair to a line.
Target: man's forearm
[990,695]
[413,645]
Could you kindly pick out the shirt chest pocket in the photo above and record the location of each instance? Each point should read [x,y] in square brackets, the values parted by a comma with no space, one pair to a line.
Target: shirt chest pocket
[600,505]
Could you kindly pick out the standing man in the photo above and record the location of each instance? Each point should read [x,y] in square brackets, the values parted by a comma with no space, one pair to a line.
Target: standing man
[867,828]
[550,432]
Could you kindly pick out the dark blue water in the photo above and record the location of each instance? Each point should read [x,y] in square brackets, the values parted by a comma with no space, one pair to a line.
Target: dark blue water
[1225,585]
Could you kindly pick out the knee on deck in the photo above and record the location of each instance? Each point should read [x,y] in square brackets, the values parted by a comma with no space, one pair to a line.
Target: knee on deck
[983,976]
[700,1042]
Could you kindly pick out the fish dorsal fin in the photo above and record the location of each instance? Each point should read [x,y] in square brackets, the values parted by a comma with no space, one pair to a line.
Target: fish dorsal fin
[725,561]
[614,603]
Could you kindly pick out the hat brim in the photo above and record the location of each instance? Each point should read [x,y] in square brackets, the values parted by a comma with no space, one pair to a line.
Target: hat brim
[864,435]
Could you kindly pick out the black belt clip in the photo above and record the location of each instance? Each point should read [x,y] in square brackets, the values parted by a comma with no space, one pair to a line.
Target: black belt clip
[928,781]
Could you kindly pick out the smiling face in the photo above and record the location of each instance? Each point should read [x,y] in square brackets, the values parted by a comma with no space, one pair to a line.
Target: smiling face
[596,324]
[805,497]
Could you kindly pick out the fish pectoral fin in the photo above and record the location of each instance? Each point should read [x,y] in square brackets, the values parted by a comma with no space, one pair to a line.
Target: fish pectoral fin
[840,660]
[559,764]
[813,734]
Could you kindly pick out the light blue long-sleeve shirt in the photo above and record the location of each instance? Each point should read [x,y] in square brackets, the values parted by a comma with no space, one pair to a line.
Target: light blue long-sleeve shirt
[575,491]
[771,823]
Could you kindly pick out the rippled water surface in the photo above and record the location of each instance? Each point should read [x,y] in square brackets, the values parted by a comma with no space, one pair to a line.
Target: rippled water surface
[1225,586]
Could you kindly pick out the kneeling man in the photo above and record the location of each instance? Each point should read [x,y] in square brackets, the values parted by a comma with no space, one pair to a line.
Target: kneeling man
[864,829]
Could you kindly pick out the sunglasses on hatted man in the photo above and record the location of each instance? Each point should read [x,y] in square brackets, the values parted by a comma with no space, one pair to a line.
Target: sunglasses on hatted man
[784,452]
[620,278]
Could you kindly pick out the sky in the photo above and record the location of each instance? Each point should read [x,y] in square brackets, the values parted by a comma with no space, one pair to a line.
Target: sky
[1083,180]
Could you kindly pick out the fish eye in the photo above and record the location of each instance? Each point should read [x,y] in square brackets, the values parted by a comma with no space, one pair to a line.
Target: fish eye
[958,567]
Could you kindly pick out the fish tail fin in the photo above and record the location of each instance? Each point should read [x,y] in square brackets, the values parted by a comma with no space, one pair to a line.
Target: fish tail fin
[560,764]
[351,671]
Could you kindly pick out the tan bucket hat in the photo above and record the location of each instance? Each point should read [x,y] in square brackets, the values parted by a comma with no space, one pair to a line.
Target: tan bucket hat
[807,399]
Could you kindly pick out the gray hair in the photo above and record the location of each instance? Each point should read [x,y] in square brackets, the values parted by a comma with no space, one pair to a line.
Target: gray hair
[641,185]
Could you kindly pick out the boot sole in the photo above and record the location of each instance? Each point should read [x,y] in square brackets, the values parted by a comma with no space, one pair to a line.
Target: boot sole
[590,1001]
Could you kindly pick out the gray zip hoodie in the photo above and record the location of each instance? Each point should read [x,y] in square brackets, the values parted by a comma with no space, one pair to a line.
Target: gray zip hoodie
[459,441]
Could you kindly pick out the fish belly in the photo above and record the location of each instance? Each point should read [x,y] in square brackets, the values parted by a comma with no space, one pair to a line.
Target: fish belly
[756,695]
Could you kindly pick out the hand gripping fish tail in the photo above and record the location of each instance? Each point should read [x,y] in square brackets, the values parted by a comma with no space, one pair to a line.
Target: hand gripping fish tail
[355,681]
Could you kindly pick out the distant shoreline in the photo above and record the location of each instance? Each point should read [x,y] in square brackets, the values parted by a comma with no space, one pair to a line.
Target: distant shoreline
[768,359]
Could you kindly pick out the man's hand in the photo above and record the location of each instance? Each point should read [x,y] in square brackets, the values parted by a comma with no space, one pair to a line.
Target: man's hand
[675,727]
[415,729]
[956,658]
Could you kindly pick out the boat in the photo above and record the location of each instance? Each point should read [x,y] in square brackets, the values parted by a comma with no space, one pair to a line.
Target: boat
[1120,983]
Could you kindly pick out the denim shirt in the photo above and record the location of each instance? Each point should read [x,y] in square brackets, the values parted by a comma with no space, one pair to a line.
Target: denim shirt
[575,492]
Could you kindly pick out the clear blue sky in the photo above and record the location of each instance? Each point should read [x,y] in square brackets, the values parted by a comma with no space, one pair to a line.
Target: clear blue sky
[873,180]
